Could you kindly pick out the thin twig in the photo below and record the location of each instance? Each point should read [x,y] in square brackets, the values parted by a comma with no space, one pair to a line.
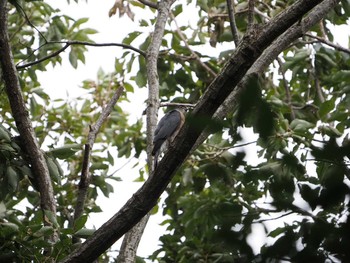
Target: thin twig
[256,11]
[29,22]
[329,43]
[183,38]
[221,150]
[286,87]
[74,42]
[272,218]
[231,15]
[85,175]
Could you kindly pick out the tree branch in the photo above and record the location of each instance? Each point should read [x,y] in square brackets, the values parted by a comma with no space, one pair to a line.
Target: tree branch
[251,4]
[23,122]
[146,197]
[132,238]
[194,54]
[286,87]
[71,43]
[329,43]
[85,175]
[233,26]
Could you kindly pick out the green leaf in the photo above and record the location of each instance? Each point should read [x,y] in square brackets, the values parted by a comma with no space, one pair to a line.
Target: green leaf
[326,107]
[140,79]
[65,151]
[90,31]
[80,223]
[177,10]
[346,6]
[131,37]
[85,233]
[301,126]
[44,231]
[8,229]
[79,22]
[330,131]
[73,58]
[12,178]
[51,217]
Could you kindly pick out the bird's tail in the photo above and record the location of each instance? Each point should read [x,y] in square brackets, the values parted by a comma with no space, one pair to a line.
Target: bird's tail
[156,155]
[156,147]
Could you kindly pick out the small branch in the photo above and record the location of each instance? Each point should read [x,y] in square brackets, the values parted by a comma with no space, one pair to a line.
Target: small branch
[221,150]
[149,4]
[256,11]
[28,20]
[286,88]
[85,175]
[251,4]
[194,54]
[71,43]
[272,218]
[133,236]
[231,15]
[329,43]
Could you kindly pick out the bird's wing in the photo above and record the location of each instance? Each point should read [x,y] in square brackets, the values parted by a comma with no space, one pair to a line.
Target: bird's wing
[167,125]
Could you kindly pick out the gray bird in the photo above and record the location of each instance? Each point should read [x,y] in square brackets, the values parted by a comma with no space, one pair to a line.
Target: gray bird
[167,129]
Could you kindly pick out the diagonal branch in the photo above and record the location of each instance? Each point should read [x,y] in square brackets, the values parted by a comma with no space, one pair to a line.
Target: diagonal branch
[74,42]
[23,122]
[85,175]
[329,43]
[146,197]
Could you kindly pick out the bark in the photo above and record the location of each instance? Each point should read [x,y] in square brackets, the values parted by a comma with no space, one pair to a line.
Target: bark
[132,238]
[85,174]
[23,122]
[250,48]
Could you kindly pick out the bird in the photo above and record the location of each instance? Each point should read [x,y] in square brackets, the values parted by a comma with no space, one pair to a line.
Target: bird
[167,129]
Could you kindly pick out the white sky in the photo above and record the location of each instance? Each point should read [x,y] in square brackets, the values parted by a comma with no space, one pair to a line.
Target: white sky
[64,81]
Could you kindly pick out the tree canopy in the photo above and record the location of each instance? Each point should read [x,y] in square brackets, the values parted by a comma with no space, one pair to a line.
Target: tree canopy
[270,69]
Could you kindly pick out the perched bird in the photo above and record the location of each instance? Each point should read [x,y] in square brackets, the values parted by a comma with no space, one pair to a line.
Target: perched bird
[167,129]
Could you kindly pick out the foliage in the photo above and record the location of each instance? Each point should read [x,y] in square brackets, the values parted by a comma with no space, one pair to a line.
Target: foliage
[219,194]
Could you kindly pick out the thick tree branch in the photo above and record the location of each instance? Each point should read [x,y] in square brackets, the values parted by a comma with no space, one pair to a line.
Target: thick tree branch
[23,122]
[233,26]
[85,175]
[72,43]
[146,197]
[133,237]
